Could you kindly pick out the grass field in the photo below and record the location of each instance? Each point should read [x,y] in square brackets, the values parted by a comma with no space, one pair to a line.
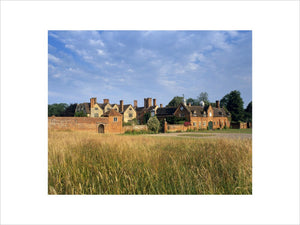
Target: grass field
[91,163]
[233,131]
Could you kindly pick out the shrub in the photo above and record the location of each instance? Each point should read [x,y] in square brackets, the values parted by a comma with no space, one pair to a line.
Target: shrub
[153,124]
[80,114]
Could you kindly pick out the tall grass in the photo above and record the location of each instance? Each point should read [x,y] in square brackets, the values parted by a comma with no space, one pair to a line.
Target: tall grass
[90,163]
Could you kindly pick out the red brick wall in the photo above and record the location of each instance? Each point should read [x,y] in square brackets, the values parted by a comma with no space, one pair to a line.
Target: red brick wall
[115,126]
[85,124]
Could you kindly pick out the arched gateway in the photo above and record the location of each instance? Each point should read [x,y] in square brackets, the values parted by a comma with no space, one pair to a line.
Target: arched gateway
[101,128]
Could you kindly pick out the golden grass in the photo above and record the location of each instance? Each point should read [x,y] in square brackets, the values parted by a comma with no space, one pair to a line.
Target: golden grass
[91,163]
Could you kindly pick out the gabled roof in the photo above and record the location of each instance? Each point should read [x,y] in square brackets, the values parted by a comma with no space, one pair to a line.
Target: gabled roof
[167,111]
[103,105]
[86,106]
[196,110]
[112,105]
[127,106]
[219,112]
[111,112]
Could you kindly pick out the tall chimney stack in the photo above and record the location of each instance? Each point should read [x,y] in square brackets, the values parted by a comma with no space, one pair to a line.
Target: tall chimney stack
[218,104]
[161,105]
[93,102]
[149,102]
[135,103]
[105,101]
[121,105]
[154,102]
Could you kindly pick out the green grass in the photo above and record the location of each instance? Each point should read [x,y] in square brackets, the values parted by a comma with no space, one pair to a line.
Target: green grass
[195,135]
[91,163]
[234,131]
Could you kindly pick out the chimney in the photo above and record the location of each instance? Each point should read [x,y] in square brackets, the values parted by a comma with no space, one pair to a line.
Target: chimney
[154,102]
[218,104]
[161,105]
[135,103]
[145,103]
[105,100]
[121,105]
[93,102]
[190,104]
[149,102]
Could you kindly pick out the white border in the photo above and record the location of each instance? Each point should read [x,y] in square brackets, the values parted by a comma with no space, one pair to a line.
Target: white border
[24,27]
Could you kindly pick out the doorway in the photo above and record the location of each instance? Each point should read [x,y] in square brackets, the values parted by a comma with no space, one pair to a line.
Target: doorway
[101,128]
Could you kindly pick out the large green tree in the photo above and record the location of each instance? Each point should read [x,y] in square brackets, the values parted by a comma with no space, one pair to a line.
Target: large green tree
[248,113]
[235,105]
[175,101]
[70,110]
[57,109]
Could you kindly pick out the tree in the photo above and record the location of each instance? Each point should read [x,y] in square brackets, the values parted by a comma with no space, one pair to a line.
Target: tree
[57,109]
[80,114]
[203,97]
[70,110]
[146,117]
[224,101]
[175,101]
[192,101]
[153,124]
[235,105]
[248,113]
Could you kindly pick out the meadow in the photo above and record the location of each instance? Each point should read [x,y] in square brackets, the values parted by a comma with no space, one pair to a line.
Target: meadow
[91,163]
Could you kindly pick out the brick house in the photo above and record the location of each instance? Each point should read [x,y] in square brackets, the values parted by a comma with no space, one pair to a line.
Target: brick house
[147,108]
[198,116]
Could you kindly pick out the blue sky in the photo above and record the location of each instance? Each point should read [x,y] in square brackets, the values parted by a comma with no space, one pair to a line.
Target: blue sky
[129,65]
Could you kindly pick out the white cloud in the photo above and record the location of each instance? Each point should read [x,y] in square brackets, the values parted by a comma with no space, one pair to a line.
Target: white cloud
[54,59]
[96,42]
[100,52]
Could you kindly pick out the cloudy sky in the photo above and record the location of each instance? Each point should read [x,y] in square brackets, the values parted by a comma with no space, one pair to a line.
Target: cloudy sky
[132,65]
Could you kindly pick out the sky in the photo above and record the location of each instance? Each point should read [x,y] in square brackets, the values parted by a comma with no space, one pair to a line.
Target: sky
[133,65]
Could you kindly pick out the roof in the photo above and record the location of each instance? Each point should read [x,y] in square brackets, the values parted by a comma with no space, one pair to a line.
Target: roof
[103,105]
[111,112]
[86,106]
[196,110]
[165,111]
[219,112]
[127,106]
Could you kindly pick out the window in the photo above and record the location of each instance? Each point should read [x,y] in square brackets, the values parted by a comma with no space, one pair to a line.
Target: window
[182,115]
[108,108]
[209,113]
[96,108]
[194,124]
[96,115]
[204,123]
[130,115]
[214,123]
[115,119]
[199,124]
[130,108]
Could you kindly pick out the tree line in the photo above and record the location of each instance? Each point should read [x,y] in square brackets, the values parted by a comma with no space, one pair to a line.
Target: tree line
[62,109]
[232,102]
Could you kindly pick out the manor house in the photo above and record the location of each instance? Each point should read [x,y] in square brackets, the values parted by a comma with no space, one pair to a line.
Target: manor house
[199,117]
